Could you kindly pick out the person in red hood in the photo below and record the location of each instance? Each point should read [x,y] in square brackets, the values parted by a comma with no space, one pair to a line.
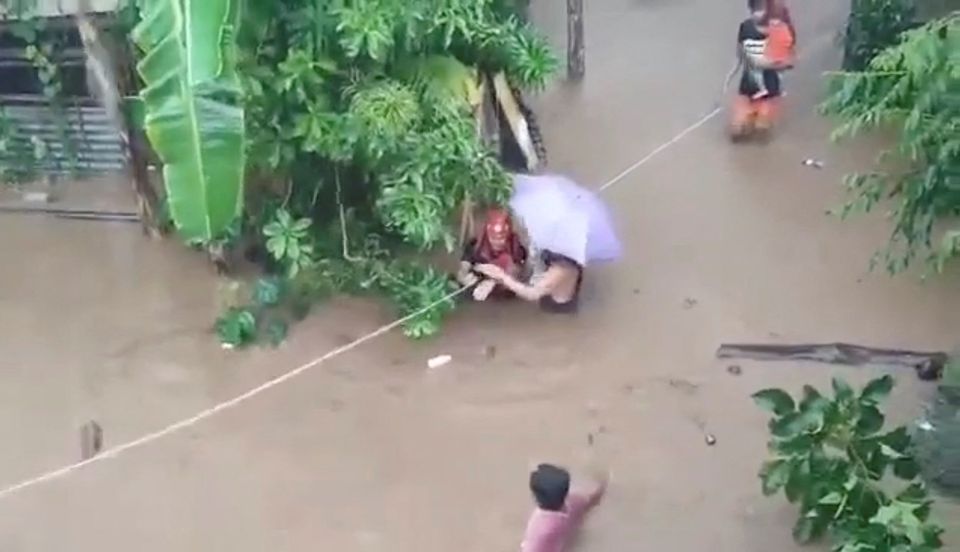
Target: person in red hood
[497,244]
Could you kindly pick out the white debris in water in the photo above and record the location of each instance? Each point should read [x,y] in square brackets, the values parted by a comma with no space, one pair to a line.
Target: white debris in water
[438,361]
[36,197]
[810,162]
[925,425]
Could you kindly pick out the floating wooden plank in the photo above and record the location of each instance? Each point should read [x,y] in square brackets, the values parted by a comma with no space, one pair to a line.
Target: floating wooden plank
[928,365]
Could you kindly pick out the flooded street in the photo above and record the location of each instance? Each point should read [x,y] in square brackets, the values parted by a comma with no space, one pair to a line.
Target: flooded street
[373,452]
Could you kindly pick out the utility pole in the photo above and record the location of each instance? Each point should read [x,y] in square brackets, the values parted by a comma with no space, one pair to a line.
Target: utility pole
[576,63]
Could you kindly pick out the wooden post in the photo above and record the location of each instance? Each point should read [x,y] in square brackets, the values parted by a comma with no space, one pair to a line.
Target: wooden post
[576,63]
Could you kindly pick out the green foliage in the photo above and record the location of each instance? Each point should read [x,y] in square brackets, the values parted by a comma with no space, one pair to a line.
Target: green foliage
[237,327]
[442,166]
[19,156]
[43,49]
[194,118]
[265,316]
[288,242]
[413,288]
[873,26]
[384,113]
[911,88]
[441,80]
[829,457]
[360,125]
[530,61]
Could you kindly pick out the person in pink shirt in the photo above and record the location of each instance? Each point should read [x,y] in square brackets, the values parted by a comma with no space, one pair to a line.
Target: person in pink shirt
[559,512]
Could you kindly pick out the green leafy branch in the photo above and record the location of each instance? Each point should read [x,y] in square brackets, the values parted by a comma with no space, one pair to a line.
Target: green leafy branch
[911,88]
[829,457]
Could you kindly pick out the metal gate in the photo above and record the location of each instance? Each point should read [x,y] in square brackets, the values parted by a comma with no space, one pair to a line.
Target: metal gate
[81,126]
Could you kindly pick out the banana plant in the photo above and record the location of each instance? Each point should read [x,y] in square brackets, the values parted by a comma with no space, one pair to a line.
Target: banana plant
[193,115]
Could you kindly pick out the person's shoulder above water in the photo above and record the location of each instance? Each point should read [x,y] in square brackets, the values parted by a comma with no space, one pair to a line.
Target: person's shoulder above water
[750,30]
[549,257]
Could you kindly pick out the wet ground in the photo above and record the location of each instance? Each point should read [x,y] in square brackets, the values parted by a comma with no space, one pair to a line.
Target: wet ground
[372,451]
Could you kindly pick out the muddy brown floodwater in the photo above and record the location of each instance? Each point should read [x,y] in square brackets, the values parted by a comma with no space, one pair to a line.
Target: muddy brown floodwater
[372,451]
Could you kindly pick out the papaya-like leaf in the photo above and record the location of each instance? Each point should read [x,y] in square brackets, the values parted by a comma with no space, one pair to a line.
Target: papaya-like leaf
[774,475]
[877,390]
[777,401]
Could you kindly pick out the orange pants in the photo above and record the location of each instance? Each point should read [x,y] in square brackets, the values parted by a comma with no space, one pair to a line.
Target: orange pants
[748,115]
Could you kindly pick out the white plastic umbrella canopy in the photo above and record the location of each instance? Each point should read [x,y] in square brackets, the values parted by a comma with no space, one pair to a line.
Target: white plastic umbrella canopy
[564,218]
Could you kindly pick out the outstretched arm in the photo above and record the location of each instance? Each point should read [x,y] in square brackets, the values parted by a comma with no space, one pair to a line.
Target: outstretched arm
[578,504]
[543,287]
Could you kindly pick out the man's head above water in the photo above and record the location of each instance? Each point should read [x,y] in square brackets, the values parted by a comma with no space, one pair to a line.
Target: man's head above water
[757,8]
[550,485]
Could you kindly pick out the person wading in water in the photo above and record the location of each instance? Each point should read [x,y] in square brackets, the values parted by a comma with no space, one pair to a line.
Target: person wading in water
[765,43]
[497,245]
[557,290]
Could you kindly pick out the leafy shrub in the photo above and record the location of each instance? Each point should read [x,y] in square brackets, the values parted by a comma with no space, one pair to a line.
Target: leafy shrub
[413,288]
[288,241]
[237,327]
[873,26]
[363,140]
[264,316]
[829,458]
[912,89]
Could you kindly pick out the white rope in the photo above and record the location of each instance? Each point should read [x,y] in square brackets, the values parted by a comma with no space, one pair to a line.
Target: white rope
[115,451]
[661,147]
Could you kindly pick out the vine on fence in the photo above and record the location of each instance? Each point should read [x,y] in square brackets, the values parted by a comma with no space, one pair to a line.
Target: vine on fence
[44,51]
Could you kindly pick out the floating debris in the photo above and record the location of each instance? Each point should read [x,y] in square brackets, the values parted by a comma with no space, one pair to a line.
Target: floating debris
[490,351]
[815,163]
[710,439]
[734,369]
[689,303]
[927,365]
[684,386]
[37,197]
[438,361]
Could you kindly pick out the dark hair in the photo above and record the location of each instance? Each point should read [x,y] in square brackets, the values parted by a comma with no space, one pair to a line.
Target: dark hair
[550,485]
[756,5]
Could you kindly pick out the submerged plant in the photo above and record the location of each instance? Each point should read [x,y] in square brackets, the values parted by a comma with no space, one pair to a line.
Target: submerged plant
[288,241]
[830,455]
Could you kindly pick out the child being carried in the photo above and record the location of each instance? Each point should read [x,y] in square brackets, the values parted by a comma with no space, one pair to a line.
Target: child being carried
[774,52]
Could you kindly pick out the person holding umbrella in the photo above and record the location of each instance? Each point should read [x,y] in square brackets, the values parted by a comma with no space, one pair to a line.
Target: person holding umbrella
[570,227]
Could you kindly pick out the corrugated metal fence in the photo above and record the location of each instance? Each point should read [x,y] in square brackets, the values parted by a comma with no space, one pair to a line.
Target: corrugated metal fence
[97,144]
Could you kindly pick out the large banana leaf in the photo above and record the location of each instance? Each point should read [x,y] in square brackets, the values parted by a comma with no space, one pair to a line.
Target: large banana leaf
[194,118]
